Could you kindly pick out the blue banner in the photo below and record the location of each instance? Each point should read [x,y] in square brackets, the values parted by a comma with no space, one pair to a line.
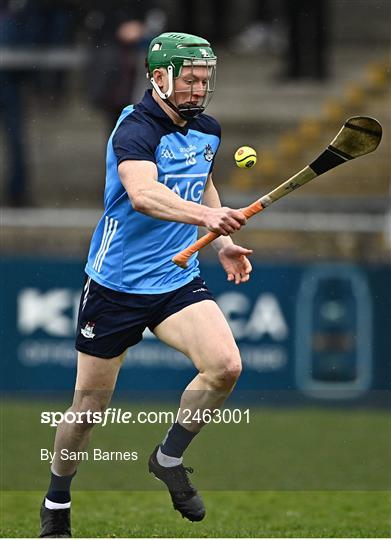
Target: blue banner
[320,329]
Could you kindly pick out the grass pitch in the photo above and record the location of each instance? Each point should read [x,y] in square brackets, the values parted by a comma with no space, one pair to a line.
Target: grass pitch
[290,472]
[229,514]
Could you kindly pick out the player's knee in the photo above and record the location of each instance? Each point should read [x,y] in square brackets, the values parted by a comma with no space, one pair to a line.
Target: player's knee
[228,372]
[87,409]
[232,372]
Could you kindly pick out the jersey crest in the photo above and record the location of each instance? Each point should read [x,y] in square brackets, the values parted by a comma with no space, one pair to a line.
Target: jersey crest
[208,153]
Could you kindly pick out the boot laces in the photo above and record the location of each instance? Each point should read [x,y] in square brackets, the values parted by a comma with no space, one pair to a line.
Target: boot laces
[59,520]
[181,478]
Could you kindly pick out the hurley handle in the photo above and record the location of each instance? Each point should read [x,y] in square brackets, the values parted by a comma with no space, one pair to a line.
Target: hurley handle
[182,258]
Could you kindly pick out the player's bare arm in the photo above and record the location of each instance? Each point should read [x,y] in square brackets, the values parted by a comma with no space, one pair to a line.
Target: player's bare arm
[153,198]
[232,257]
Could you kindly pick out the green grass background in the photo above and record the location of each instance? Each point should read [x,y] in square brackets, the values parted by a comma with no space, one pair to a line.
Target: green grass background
[301,472]
[280,449]
[229,514]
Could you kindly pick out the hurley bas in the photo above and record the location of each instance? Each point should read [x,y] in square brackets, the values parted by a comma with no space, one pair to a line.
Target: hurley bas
[95,454]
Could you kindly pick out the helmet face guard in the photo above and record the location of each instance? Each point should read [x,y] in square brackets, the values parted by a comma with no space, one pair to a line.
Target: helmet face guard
[189,109]
[176,52]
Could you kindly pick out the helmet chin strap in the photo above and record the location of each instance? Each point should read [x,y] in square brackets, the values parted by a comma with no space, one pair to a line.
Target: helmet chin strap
[186,112]
[164,95]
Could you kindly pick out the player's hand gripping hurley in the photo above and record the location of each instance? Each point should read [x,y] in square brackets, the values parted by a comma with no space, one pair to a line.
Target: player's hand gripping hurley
[359,135]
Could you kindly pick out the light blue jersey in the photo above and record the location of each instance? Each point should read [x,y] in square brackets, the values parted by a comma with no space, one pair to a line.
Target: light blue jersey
[131,252]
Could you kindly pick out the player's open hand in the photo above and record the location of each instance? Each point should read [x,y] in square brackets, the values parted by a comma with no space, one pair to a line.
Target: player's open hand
[235,262]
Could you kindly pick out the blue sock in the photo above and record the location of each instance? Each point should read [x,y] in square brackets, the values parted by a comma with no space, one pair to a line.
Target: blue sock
[60,488]
[177,440]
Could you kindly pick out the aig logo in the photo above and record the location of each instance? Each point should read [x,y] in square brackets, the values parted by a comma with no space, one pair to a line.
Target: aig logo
[188,186]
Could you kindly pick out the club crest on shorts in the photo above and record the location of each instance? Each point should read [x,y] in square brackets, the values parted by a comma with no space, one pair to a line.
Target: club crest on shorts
[88,330]
[208,153]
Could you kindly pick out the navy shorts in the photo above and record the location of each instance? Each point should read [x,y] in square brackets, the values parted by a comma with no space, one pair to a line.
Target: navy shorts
[111,321]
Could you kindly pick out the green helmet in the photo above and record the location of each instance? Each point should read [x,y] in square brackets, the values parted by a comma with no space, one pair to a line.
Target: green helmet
[173,50]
